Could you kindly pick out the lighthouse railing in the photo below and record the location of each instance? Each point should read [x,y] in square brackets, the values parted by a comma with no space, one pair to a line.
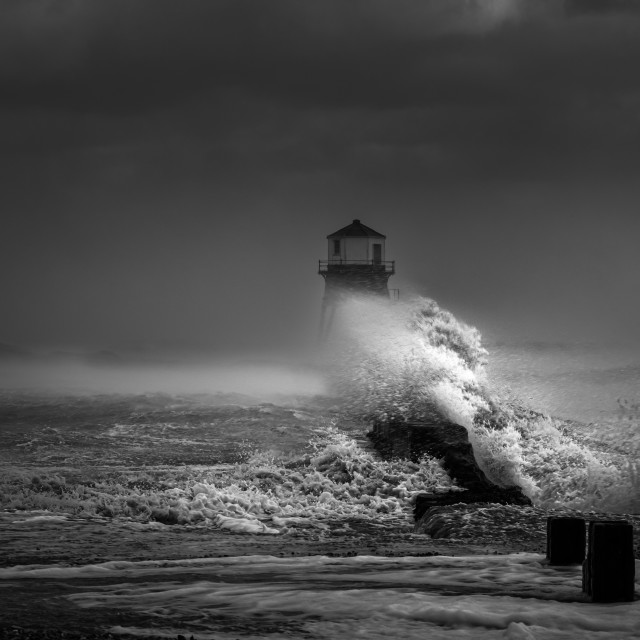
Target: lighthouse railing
[388,266]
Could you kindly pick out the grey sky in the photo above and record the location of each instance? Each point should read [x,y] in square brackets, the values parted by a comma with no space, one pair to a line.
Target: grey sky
[169,170]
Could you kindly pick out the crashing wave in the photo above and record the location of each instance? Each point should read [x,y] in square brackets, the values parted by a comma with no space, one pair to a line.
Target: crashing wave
[413,361]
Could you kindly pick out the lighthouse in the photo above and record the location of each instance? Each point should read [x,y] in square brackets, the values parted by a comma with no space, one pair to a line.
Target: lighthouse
[355,264]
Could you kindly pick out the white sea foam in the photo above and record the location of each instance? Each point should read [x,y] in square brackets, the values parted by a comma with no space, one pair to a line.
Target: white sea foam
[332,480]
[42,518]
[513,596]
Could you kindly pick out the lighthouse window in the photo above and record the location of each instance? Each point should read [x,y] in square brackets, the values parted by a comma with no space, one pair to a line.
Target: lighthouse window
[336,247]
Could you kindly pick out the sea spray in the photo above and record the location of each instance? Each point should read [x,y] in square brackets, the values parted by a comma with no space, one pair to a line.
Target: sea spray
[414,361]
[407,361]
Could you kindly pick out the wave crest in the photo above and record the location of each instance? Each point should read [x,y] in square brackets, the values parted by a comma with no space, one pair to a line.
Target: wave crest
[413,361]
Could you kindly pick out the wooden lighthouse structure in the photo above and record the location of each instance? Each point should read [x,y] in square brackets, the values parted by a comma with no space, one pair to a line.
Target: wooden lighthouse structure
[355,264]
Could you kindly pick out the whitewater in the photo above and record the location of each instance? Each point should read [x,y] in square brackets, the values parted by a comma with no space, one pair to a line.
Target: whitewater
[243,498]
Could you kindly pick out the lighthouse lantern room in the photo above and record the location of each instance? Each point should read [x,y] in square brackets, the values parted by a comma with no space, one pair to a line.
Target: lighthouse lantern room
[356,262]
[356,244]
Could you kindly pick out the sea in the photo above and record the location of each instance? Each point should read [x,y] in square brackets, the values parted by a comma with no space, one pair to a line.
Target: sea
[240,497]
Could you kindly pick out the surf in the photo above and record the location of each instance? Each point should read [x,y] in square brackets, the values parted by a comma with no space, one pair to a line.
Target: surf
[414,361]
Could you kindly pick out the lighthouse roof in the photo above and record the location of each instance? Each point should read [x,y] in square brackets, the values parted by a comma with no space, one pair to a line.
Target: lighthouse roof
[354,230]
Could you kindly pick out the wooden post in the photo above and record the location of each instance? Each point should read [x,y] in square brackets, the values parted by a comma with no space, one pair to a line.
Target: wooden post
[609,569]
[566,540]
[586,565]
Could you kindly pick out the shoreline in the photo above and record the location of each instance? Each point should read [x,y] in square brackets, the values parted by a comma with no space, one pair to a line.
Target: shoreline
[81,558]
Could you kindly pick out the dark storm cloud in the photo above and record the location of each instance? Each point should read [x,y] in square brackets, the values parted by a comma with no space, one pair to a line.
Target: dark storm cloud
[121,56]
[116,55]
[147,145]
[580,7]
[127,56]
[511,75]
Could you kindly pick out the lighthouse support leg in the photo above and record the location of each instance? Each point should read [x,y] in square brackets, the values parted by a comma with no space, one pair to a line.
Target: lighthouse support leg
[327,315]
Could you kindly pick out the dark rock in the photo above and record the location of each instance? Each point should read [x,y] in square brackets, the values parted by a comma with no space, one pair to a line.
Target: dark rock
[492,495]
[448,442]
[444,440]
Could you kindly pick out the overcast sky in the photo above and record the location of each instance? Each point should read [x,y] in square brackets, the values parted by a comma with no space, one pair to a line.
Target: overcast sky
[169,170]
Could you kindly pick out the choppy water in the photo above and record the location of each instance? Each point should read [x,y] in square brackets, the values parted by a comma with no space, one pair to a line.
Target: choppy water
[149,456]
[197,459]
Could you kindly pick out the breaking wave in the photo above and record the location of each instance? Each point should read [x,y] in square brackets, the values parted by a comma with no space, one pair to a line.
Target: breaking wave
[414,361]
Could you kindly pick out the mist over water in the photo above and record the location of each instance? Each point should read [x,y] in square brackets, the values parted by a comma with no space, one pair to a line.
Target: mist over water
[258,379]
[581,381]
